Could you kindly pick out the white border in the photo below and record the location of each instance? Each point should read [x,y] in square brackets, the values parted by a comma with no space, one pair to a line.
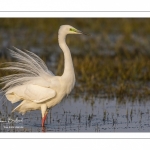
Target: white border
[86,135]
[103,9]
[74,14]
[70,5]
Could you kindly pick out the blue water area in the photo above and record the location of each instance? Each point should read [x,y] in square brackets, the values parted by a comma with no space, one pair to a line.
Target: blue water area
[98,114]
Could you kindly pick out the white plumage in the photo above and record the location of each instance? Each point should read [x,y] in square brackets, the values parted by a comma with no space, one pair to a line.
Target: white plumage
[34,84]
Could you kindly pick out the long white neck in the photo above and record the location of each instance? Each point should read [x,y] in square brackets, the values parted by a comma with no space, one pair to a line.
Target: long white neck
[68,65]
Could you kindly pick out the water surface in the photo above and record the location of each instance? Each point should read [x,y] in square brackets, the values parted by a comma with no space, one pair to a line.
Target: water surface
[99,114]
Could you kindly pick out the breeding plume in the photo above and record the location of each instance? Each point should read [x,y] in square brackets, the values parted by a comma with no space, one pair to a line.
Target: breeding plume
[33,84]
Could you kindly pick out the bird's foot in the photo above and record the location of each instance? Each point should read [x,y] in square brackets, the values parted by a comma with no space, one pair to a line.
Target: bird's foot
[43,129]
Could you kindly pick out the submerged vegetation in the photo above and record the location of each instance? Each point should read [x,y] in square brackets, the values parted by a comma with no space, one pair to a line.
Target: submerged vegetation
[114,60]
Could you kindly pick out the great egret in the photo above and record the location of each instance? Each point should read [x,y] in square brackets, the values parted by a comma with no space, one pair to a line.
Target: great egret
[36,86]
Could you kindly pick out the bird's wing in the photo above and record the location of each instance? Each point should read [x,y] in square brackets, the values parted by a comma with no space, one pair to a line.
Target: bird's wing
[40,82]
[38,93]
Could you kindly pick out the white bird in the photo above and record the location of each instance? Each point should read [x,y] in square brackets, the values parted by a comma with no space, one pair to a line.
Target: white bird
[33,84]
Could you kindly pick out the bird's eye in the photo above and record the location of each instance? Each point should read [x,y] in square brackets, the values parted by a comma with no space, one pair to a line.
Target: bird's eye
[71,29]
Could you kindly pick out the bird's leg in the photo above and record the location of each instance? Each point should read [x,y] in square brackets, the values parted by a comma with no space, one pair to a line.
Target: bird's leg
[44,118]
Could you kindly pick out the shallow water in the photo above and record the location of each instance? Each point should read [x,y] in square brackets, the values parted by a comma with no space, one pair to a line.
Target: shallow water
[77,115]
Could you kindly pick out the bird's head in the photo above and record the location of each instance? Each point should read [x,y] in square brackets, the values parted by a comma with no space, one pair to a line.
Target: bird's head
[67,29]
